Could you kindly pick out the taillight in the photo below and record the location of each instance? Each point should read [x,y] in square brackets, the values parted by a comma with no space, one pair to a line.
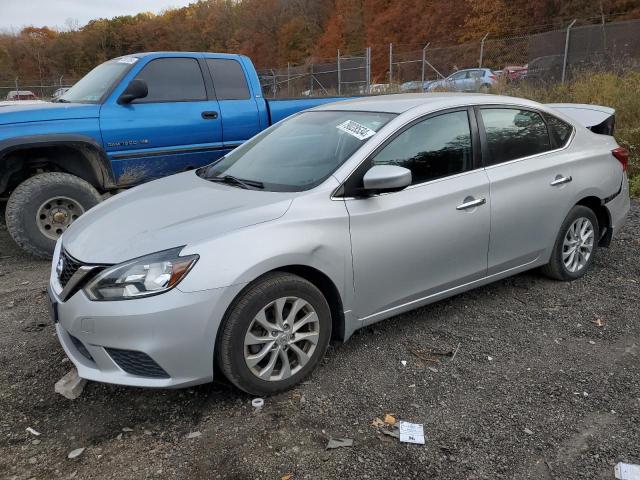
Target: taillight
[622,155]
[493,77]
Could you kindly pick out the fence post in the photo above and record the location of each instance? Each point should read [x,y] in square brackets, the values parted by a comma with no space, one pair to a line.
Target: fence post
[339,74]
[424,60]
[566,50]
[368,73]
[391,63]
[482,49]
[311,80]
[288,79]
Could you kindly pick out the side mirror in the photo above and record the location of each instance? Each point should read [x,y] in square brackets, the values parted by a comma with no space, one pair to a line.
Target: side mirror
[137,88]
[384,178]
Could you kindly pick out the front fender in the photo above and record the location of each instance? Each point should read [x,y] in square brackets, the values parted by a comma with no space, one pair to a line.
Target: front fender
[300,237]
[98,167]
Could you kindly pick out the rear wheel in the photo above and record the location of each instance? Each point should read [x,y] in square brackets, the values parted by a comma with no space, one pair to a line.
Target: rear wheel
[42,207]
[575,245]
[274,335]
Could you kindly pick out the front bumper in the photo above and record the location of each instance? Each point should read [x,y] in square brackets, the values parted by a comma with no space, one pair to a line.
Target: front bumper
[173,333]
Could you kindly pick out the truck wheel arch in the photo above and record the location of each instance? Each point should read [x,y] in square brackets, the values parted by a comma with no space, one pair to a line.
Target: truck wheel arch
[78,155]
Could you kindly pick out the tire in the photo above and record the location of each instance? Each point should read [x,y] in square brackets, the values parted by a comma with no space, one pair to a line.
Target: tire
[233,355]
[485,87]
[68,197]
[556,268]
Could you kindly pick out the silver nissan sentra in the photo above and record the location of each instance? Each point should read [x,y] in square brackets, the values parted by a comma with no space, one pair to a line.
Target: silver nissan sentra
[329,221]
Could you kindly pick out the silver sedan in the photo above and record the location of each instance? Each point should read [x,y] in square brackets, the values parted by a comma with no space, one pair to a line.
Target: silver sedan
[325,223]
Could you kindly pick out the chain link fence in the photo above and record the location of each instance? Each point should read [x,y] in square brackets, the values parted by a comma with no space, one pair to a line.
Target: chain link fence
[553,56]
[344,75]
[30,89]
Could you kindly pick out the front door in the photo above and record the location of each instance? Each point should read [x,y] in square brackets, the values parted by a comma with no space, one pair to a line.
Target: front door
[177,127]
[431,236]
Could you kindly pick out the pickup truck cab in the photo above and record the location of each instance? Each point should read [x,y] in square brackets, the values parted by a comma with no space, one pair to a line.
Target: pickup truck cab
[130,120]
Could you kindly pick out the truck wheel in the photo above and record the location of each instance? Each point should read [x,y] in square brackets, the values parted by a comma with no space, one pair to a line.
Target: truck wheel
[42,207]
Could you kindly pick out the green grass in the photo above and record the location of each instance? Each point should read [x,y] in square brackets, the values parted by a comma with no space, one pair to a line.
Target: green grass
[619,91]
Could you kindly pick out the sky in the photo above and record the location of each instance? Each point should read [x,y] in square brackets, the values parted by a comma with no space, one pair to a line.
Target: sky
[15,14]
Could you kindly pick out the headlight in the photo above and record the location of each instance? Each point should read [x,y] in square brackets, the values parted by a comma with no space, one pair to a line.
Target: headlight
[141,277]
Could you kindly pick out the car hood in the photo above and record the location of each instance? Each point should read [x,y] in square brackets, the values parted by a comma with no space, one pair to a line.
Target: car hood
[173,211]
[43,111]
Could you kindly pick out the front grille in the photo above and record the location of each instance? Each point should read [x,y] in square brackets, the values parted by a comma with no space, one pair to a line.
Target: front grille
[81,348]
[136,363]
[69,267]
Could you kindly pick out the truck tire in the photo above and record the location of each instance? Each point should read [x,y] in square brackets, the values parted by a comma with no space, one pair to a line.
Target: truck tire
[42,207]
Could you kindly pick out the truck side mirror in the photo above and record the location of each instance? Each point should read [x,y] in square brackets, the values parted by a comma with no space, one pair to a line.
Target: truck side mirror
[137,88]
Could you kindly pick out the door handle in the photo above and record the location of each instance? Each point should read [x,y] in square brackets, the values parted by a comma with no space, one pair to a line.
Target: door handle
[209,115]
[560,180]
[471,202]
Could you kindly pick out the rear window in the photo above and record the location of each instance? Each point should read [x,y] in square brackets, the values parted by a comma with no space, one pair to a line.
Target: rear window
[229,80]
[513,133]
[560,130]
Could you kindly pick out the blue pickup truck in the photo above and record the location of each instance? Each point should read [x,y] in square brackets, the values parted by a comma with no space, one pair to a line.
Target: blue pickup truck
[128,121]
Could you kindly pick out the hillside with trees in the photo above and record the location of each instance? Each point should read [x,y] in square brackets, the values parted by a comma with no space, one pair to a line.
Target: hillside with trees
[274,32]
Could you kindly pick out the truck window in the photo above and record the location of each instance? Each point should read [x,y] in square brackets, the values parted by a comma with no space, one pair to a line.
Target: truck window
[229,80]
[173,80]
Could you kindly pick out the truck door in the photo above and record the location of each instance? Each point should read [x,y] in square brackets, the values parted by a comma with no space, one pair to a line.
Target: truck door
[241,119]
[176,127]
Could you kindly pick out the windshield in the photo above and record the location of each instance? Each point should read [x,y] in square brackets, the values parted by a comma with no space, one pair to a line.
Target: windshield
[95,84]
[300,152]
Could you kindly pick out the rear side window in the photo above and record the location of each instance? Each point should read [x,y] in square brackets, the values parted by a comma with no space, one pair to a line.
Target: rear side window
[513,133]
[434,148]
[560,130]
[229,80]
[173,80]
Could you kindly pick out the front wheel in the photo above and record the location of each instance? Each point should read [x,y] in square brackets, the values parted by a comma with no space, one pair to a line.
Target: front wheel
[575,245]
[42,207]
[274,334]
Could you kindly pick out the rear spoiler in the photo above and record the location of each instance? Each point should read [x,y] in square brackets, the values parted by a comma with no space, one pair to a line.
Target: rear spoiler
[596,118]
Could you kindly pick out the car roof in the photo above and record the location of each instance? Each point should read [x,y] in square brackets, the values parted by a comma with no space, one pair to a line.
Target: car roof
[400,103]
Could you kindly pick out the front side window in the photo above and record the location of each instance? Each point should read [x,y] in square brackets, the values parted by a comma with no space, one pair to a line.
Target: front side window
[513,133]
[298,153]
[434,148]
[229,80]
[173,80]
[459,75]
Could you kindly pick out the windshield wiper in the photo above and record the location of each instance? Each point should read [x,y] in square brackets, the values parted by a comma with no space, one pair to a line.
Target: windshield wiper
[61,100]
[231,180]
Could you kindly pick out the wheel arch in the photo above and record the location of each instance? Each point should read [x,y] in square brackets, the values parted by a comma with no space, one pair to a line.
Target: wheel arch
[323,283]
[602,214]
[79,155]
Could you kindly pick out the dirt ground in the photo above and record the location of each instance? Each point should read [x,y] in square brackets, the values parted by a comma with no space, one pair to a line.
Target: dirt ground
[536,390]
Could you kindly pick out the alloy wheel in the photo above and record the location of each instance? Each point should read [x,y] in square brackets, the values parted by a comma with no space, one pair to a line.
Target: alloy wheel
[578,244]
[281,338]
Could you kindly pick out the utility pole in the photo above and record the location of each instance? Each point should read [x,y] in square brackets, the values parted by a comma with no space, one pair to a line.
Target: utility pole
[391,63]
[339,75]
[482,49]
[424,62]
[566,49]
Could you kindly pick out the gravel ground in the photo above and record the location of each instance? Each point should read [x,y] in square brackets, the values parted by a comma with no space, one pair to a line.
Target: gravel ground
[536,390]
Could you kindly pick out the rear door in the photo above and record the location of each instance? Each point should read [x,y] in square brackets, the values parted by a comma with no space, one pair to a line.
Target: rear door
[531,183]
[175,128]
[240,114]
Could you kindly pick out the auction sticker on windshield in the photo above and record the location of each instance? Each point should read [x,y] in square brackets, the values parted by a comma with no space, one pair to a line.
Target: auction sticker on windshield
[355,129]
